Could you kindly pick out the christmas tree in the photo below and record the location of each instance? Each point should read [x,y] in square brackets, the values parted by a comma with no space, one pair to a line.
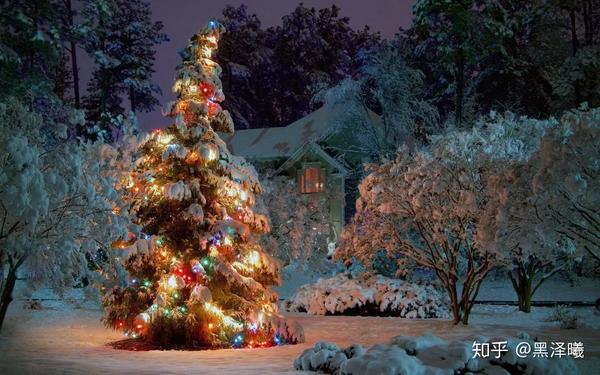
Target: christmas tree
[197,274]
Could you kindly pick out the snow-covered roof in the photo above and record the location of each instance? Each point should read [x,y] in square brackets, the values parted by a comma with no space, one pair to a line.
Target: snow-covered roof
[266,143]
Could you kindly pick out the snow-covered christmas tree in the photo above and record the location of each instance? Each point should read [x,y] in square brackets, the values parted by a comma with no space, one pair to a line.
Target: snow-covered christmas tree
[197,274]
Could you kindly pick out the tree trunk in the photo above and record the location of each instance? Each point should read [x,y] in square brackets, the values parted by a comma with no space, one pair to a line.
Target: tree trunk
[522,286]
[525,296]
[586,9]
[74,67]
[6,297]
[575,48]
[459,79]
[455,307]
[574,39]
[132,99]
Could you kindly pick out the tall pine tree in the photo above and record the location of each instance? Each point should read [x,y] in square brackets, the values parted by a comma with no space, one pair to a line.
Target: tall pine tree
[121,38]
[199,276]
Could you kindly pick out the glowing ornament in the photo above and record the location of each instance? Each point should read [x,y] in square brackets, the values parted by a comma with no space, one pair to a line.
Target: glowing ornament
[207,89]
[141,320]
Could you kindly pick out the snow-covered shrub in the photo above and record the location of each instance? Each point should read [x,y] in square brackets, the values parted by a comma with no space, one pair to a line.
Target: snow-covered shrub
[566,318]
[326,357]
[565,180]
[369,295]
[539,201]
[32,305]
[425,208]
[428,354]
[485,197]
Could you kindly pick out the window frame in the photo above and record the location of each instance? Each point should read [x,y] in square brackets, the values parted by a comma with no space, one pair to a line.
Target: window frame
[307,182]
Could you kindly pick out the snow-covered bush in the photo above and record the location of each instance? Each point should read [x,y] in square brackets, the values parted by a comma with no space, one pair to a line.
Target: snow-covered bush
[425,207]
[369,295]
[566,179]
[58,203]
[478,199]
[428,354]
[541,201]
[566,318]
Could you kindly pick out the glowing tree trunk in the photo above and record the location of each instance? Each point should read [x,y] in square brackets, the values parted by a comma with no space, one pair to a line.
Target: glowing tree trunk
[198,276]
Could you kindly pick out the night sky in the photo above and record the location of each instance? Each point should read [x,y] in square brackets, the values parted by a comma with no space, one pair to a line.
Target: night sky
[182,18]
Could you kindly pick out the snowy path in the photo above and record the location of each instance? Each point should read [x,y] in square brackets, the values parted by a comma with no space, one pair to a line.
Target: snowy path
[73,341]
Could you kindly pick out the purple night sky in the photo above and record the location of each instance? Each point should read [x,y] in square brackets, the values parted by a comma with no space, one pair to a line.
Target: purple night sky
[182,18]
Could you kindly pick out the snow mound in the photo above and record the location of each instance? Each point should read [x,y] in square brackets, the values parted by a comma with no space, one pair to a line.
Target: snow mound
[369,295]
[426,355]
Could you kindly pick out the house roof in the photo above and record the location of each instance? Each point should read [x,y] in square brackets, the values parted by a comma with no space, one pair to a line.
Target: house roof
[266,143]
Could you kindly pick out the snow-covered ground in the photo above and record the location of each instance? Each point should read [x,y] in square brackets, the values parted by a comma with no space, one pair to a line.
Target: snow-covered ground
[71,340]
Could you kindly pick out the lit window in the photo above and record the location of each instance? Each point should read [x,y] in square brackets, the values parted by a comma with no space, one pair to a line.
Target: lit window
[312,178]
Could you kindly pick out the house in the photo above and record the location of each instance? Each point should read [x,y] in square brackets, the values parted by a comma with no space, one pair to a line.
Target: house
[302,151]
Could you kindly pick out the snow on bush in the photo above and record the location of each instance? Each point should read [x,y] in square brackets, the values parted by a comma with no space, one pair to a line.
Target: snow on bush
[369,295]
[429,355]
